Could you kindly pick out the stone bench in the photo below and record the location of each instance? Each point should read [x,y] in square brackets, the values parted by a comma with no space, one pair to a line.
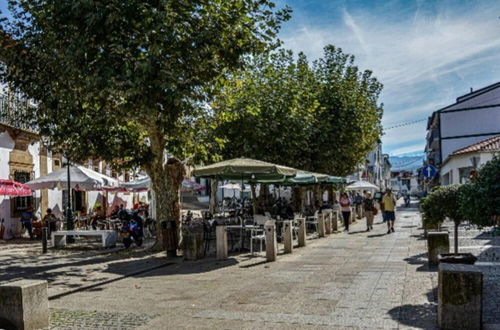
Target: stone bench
[24,305]
[108,237]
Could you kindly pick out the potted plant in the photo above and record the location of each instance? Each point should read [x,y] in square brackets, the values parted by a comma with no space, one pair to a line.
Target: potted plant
[432,213]
[193,238]
[445,202]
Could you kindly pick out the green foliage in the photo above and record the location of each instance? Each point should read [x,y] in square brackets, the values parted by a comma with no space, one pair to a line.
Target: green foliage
[443,202]
[266,111]
[129,79]
[320,117]
[481,197]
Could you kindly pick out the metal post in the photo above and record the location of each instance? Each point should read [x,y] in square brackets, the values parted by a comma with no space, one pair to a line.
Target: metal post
[69,216]
[45,233]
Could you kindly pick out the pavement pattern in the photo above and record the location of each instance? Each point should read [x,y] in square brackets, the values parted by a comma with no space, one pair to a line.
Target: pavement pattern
[355,280]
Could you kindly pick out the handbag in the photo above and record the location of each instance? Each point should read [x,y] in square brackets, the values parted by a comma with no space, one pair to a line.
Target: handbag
[375,211]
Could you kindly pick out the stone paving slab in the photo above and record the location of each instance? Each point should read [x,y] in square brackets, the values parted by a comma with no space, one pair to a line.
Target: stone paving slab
[356,280]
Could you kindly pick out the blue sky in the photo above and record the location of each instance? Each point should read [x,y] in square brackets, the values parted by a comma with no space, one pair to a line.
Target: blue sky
[426,53]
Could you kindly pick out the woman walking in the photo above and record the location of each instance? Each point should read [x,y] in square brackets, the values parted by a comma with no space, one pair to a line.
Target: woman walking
[369,207]
[345,208]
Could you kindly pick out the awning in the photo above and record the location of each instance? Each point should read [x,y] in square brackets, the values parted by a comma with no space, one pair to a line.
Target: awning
[245,169]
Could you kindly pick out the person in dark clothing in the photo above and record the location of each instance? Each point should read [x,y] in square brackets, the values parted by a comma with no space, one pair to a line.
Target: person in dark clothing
[345,208]
[27,218]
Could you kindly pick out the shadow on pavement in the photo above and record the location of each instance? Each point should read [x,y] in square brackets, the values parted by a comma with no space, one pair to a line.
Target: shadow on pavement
[377,235]
[418,316]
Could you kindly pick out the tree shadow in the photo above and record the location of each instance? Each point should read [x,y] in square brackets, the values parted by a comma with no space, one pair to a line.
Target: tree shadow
[357,232]
[417,316]
[377,235]
[421,259]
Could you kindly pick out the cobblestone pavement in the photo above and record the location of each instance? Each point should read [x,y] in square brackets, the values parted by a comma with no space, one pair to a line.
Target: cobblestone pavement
[356,280]
[483,244]
[62,319]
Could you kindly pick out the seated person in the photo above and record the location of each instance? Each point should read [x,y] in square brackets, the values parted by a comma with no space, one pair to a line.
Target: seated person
[114,212]
[50,221]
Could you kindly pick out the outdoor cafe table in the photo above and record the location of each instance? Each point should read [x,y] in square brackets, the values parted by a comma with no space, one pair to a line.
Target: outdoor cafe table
[242,228]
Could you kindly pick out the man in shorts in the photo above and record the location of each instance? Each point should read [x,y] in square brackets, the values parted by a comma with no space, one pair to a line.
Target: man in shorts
[389,207]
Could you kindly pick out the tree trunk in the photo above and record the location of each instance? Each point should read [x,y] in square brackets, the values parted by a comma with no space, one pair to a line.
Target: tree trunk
[297,199]
[213,196]
[166,179]
[254,199]
[331,197]
[317,196]
[456,237]
[303,194]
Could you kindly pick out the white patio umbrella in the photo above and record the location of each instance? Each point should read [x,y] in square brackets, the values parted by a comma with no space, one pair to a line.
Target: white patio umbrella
[233,186]
[362,185]
[141,184]
[81,178]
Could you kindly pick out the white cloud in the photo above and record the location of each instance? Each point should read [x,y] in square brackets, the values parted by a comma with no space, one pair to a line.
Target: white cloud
[424,62]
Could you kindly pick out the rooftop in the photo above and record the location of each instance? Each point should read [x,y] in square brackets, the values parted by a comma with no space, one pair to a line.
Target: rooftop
[490,144]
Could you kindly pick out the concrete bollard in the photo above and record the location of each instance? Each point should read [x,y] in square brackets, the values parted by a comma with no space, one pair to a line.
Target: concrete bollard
[328,223]
[460,293]
[24,305]
[271,243]
[288,236]
[438,242]
[335,221]
[302,231]
[321,225]
[221,238]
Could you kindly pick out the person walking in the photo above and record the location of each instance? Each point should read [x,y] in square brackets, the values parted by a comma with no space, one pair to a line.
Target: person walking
[27,218]
[389,207]
[358,202]
[345,208]
[369,208]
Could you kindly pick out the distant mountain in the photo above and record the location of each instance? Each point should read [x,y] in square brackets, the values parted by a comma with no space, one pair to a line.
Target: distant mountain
[406,163]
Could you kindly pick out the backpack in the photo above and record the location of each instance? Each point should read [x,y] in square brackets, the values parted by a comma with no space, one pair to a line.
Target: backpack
[369,206]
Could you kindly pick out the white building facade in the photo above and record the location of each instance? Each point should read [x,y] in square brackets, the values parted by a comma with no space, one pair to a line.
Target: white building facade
[24,158]
[458,167]
[472,118]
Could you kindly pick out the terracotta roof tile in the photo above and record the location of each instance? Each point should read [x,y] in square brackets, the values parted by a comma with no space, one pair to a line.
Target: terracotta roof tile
[490,144]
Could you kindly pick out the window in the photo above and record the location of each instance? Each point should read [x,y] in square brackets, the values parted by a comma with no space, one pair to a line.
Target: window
[20,204]
[464,174]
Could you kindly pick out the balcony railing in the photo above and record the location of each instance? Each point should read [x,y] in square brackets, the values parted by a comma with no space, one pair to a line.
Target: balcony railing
[14,112]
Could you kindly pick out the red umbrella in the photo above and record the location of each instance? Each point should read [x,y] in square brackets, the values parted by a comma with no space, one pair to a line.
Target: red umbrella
[13,188]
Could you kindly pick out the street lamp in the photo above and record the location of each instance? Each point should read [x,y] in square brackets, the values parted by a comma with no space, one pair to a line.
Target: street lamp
[69,215]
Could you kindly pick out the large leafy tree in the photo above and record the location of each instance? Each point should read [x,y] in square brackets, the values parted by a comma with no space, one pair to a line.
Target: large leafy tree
[322,117]
[266,110]
[127,81]
[348,122]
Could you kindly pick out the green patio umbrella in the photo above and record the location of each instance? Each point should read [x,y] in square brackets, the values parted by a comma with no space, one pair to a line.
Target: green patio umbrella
[335,179]
[245,169]
[303,178]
